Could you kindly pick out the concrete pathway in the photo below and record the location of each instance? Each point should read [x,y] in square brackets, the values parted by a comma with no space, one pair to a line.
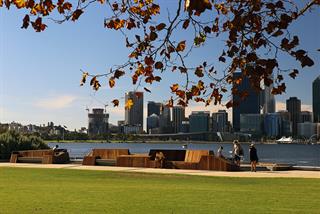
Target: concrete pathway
[259,174]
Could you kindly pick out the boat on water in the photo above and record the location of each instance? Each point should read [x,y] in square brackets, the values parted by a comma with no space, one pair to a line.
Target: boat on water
[286,140]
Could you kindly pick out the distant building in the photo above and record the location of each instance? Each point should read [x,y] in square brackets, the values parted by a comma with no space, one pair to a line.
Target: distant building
[185,126]
[308,129]
[286,125]
[98,122]
[152,122]
[250,105]
[154,108]
[220,121]
[268,102]
[306,116]
[178,115]
[251,123]
[132,129]
[134,115]
[199,121]
[294,108]
[165,120]
[272,124]
[316,99]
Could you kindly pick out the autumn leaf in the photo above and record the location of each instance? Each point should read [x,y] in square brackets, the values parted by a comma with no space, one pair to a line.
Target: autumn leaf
[153,36]
[229,104]
[26,21]
[157,78]
[186,24]
[294,73]
[19,3]
[118,73]
[199,72]
[129,104]
[174,87]
[115,102]
[101,1]
[148,60]
[181,46]
[160,26]
[76,14]
[199,6]
[38,26]
[158,65]
[84,78]
[111,82]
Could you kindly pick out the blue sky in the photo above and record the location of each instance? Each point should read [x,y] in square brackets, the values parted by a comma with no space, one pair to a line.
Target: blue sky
[40,72]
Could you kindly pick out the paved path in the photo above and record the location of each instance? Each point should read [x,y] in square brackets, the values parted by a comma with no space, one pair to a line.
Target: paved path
[261,174]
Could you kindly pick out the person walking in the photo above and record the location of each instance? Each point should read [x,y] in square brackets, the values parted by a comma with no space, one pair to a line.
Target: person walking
[253,157]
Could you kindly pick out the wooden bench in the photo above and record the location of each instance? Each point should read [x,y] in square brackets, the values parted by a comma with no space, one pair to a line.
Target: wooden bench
[106,157]
[192,159]
[148,160]
[47,156]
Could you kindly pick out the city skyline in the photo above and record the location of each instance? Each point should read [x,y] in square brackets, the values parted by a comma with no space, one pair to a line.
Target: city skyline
[44,86]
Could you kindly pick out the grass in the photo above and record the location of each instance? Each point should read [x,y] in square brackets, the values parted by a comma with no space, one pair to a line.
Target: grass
[76,191]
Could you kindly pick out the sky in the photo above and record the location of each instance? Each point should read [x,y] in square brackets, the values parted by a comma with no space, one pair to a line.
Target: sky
[40,72]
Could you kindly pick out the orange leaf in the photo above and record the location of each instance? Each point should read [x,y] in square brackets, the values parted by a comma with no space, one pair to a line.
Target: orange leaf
[181,46]
[111,82]
[84,78]
[158,65]
[174,87]
[76,14]
[129,104]
[186,24]
[160,26]
[118,73]
[115,103]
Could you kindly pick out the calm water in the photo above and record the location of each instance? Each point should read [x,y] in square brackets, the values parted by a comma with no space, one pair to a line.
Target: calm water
[302,155]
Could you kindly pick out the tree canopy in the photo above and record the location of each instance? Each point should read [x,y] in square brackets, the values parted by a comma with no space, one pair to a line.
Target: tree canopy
[254,32]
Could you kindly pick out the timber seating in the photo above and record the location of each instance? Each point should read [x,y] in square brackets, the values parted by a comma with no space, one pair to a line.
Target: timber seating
[106,157]
[47,156]
[178,159]
[149,160]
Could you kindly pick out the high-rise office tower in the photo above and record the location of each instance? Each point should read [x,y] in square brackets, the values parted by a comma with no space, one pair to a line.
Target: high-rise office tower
[250,105]
[269,103]
[154,108]
[294,109]
[316,99]
[178,115]
[165,120]
[220,121]
[134,115]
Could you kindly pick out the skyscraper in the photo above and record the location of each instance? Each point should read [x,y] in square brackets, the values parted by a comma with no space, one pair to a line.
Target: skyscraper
[178,115]
[294,109]
[269,103]
[199,121]
[134,115]
[154,108]
[220,121]
[165,120]
[250,105]
[316,99]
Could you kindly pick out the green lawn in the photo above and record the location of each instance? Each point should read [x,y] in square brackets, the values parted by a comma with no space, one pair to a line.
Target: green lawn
[76,191]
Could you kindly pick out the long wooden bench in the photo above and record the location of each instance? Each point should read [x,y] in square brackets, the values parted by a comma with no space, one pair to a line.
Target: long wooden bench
[179,159]
[106,157]
[47,156]
[149,160]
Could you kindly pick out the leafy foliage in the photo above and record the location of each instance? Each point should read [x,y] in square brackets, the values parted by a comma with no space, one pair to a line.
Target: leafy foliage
[12,141]
[255,31]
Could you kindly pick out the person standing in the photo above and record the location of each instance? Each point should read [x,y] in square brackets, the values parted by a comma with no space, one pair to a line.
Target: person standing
[253,157]
[236,152]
